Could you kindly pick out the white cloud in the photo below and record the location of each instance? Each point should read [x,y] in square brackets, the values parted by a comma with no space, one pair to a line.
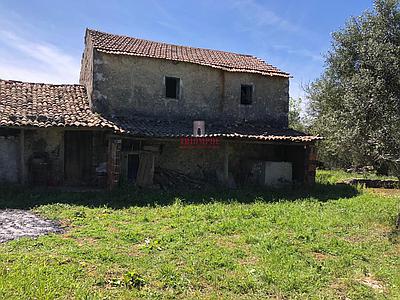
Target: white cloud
[317,57]
[261,16]
[36,61]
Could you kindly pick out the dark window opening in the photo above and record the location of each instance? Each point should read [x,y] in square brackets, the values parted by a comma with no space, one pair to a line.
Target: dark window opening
[172,87]
[246,95]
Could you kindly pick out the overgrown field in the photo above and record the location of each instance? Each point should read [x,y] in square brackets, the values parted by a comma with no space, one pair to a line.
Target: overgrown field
[330,242]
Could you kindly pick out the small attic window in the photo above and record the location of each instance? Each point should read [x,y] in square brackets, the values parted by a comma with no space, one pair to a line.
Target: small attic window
[172,87]
[246,94]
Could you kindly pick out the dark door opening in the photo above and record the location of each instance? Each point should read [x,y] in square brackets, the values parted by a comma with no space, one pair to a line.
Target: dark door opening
[133,166]
[78,150]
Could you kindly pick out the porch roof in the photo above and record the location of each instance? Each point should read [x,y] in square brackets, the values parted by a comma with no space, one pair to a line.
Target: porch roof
[142,126]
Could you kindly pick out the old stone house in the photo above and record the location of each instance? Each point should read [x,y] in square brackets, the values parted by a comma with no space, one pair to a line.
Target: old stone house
[146,112]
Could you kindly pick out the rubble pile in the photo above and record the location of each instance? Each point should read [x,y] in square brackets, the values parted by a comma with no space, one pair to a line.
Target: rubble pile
[173,179]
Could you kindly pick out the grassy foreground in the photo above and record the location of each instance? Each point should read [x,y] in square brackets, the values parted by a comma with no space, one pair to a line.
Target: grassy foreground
[327,243]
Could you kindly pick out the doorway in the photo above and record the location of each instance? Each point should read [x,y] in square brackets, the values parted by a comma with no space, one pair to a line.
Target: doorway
[78,150]
[132,167]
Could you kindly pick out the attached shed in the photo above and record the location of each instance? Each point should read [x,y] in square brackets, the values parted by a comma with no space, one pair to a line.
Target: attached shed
[241,153]
[49,135]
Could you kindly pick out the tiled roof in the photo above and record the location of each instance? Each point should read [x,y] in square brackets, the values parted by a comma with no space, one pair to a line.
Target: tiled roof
[118,44]
[158,128]
[25,104]
[46,105]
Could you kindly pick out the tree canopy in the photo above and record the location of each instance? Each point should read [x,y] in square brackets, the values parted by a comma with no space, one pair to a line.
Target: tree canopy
[296,120]
[355,104]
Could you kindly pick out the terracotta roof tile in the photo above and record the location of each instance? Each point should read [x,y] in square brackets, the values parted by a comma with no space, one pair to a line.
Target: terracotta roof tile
[46,105]
[228,61]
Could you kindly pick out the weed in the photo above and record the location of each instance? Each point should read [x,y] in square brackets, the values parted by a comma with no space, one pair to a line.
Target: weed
[133,279]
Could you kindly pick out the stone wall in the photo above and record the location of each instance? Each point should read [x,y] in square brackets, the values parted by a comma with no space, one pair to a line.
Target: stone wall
[126,84]
[198,163]
[86,74]
[206,163]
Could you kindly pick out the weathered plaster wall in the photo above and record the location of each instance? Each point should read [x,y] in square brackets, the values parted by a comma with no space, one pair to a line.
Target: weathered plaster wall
[123,83]
[100,157]
[39,144]
[48,145]
[270,98]
[9,158]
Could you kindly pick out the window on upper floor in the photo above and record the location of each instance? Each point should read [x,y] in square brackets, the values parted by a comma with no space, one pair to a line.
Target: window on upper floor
[246,94]
[172,87]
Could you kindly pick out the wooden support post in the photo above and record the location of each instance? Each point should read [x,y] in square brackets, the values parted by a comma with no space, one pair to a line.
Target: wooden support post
[310,164]
[226,164]
[22,156]
[114,157]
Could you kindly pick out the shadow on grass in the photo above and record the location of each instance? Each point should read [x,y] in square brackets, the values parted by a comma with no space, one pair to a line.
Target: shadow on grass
[24,198]
[394,236]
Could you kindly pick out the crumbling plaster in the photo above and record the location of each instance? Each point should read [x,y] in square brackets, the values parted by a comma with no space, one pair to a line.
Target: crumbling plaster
[125,84]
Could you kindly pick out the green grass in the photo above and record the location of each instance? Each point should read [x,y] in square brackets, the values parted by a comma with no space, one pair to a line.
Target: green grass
[329,242]
[329,176]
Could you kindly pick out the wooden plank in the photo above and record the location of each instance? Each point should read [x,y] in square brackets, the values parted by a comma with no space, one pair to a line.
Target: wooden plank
[146,169]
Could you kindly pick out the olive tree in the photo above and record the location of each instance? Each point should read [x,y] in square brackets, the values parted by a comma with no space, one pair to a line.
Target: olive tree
[355,104]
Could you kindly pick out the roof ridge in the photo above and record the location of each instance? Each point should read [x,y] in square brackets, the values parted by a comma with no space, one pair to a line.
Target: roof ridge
[171,44]
[220,59]
[41,83]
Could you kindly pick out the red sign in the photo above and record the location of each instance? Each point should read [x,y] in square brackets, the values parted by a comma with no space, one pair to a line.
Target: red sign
[199,142]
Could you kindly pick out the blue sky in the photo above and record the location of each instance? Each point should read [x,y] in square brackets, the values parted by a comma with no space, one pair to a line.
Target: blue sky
[42,41]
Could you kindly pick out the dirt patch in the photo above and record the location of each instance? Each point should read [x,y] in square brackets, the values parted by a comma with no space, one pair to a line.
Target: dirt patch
[385,192]
[372,283]
[250,260]
[340,290]
[86,241]
[230,241]
[321,256]
[376,232]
